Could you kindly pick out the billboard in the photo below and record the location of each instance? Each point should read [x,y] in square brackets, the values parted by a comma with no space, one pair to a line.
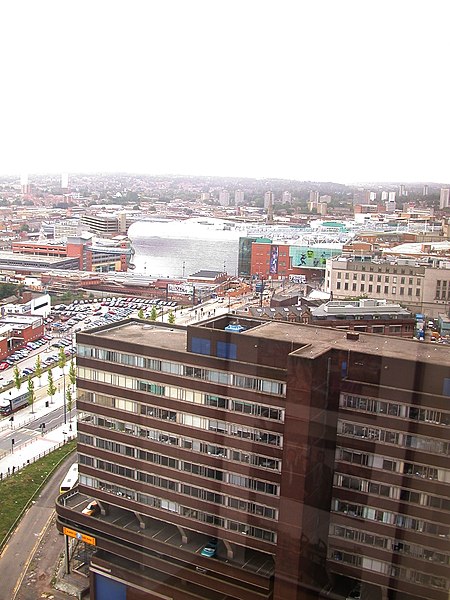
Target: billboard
[273,267]
[305,256]
[186,289]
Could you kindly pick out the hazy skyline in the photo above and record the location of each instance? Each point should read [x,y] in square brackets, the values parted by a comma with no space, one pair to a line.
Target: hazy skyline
[328,91]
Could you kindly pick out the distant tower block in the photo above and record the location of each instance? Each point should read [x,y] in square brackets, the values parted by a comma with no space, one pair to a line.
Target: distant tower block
[64,181]
[24,185]
[268,200]
[425,190]
[239,197]
[444,198]
[269,208]
[224,198]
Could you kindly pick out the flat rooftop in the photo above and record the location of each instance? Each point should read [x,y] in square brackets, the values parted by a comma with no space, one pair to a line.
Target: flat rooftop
[144,333]
[313,340]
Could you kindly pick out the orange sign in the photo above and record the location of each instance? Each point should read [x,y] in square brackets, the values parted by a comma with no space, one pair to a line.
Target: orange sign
[87,539]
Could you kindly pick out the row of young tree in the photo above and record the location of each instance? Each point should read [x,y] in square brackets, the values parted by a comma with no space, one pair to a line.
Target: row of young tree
[51,387]
[154,315]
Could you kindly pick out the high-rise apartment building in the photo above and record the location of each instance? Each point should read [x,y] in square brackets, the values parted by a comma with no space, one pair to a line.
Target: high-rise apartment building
[224,198]
[286,197]
[239,197]
[269,199]
[444,198]
[315,458]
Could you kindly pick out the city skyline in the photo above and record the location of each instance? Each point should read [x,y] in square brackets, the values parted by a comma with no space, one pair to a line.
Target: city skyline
[307,92]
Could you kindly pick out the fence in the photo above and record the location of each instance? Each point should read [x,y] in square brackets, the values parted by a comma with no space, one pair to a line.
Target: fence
[9,472]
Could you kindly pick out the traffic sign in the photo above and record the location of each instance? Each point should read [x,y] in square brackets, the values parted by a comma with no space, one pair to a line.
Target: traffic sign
[87,539]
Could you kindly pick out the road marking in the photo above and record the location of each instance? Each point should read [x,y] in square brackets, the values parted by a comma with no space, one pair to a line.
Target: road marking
[31,556]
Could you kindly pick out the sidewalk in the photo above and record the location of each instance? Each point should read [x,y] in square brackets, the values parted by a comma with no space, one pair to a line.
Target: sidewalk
[40,445]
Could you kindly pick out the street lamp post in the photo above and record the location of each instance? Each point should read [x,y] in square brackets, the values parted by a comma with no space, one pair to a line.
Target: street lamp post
[64,399]
[64,435]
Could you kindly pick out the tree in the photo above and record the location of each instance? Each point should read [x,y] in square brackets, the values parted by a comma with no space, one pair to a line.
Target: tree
[171,317]
[72,374]
[31,394]
[69,399]
[62,359]
[17,377]
[153,314]
[51,390]
[141,313]
[61,364]
[38,368]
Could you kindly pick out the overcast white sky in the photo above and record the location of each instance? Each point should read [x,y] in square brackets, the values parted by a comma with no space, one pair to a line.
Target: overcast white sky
[342,90]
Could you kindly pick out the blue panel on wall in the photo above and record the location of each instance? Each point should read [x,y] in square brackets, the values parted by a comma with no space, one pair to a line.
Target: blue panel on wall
[226,350]
[109,589]
[201,346]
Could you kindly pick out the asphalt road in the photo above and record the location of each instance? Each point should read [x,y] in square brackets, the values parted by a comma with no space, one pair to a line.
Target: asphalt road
[20,552]
[31,430]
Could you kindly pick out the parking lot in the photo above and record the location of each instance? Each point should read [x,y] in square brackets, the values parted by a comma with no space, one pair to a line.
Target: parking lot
[82,314]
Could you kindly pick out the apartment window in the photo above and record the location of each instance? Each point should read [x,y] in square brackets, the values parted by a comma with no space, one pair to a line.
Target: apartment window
[386,278]
[354,287]
[370,288]
[355,276]
[378,289]
[386,289]
[347,276]
[394,289]
[339,274]
[402,281]
[378,329]
[363,277]
[338,285]
[345,286]
[362,287]
[409,291]
[370,277]
[402,291]
[378,278]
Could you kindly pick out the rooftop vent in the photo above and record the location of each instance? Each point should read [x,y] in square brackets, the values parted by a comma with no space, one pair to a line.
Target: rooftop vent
[353,336]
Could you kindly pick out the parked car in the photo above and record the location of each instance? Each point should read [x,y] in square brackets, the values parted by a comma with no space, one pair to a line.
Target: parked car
[210,549]
[91,509]
[4,365]
[354,594]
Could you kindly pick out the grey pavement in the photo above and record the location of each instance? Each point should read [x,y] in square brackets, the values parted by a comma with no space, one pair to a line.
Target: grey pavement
[40,444]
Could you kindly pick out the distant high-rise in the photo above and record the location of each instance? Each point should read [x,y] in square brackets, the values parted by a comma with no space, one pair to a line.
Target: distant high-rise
[24,185]
[286,198]
[402,190]
[384,196]
[64,181]
[205,196]
[444,198]
[425,190]
[314,196]
[224,198]
[239,197]
[391,197]
[268,199]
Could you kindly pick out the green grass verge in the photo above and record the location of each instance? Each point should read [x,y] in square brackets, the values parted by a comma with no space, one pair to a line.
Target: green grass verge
[17,491]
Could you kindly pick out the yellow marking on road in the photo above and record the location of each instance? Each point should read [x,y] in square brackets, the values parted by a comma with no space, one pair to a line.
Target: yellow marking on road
[31,556]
